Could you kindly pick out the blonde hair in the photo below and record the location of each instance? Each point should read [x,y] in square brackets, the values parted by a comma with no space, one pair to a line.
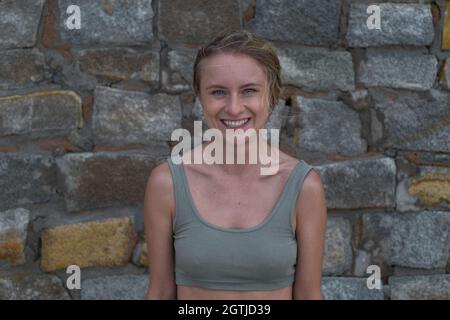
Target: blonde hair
[244,42]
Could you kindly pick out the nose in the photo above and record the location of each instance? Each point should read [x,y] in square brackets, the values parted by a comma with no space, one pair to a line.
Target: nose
[234,106]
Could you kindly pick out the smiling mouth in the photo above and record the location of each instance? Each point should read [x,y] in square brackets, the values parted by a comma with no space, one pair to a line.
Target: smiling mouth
[235,123]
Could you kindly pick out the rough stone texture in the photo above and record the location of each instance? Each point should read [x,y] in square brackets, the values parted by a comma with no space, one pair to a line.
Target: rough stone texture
[329,127]
[430,187]
[13,235]
[127,287]
[401,24]
[338,251]
[398,69]
[104,243]
[103,179]
[143,259]
[297,21]
[411,121]
[196,21]
[25,179]
[128,22]
[445,77]
[134,117]
[446,31]
[32,287]
[343,288]
[21,68]
[362,261]
[316,68]
[140,257]
[19,23]
[429,287]
[356,175]
[181,63]
[40,114]
[121,64]
[415,240]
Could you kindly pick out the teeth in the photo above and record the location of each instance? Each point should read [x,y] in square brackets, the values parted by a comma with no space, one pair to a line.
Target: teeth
[235,123]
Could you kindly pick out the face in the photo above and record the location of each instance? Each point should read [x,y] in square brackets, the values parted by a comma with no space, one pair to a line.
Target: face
[233,92]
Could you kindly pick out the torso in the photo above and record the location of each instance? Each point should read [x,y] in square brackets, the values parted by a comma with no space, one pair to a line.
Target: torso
[230,202]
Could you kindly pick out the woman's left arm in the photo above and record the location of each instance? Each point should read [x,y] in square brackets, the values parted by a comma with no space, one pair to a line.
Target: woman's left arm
[311,219]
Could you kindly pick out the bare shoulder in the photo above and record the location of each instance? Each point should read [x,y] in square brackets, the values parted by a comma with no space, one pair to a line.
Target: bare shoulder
[161,176]
[311,199]
[160,186]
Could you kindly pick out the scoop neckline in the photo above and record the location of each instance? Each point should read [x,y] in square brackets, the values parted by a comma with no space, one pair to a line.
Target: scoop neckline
[249,229]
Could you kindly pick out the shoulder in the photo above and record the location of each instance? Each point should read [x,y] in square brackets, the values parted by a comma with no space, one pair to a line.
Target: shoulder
[312,193]
[160,183]
[161,176]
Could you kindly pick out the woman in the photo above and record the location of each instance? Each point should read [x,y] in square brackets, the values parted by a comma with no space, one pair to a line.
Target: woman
[224,231]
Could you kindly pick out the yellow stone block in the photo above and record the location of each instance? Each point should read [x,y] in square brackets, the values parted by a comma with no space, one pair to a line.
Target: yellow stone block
[143,258]
[431,189]
[446,32]
[106,243]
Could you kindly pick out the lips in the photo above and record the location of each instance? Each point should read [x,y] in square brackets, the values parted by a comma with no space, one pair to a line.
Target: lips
[235,124]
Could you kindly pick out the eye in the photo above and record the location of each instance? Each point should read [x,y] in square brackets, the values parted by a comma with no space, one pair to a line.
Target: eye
[217,92]
[252,90]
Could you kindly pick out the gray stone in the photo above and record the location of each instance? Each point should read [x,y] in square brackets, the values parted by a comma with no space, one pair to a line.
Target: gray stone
[398,69]
[338,251]
[13,235]
[415,240]
[105,179]
[357,175]
[345,288]
[121,64]
[446,74]
[196,21]
[362,261]
[412,121]
[316,68]
[120,22]
[181,63]
[45,113]
[427,287]
[25,179]
[126,287]
[297,21]
[134,117]
[329,127]
[33,287]
[21,68]
[19,23]
[401,24]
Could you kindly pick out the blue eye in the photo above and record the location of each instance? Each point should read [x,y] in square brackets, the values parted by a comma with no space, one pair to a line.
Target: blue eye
[252,90]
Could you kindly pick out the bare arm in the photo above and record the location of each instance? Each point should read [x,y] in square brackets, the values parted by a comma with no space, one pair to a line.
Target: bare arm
[158,208]
[311,216]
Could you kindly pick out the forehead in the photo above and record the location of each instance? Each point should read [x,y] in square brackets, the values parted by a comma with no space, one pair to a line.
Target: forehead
[231,68]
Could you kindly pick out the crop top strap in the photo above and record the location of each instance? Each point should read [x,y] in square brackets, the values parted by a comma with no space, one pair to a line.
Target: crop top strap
[293,187]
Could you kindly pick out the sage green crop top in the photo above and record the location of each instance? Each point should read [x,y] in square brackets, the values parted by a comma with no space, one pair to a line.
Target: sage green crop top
[258,258]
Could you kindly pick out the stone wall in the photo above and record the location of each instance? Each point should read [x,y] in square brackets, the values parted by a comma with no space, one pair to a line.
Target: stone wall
[86,114]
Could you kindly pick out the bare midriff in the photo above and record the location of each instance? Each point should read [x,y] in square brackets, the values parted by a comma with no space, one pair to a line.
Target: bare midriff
[196,293]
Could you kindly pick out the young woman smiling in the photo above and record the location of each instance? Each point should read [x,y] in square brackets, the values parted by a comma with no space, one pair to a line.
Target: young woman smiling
[224,231]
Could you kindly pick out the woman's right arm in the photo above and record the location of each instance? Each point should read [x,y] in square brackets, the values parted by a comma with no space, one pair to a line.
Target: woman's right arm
[158,208]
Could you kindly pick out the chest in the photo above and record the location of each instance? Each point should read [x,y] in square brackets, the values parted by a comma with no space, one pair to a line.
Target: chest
[234,204]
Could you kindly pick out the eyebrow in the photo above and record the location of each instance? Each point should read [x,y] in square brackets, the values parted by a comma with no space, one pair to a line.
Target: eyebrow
[245,85]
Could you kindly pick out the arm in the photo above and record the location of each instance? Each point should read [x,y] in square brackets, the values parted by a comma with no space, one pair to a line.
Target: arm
[158,208]
[311,216]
